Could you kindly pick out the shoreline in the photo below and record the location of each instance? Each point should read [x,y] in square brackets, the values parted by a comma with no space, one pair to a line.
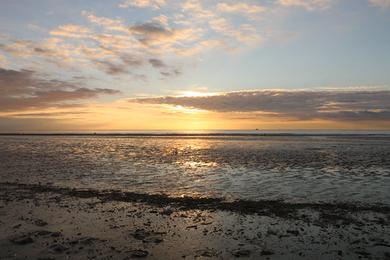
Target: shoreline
[276,208]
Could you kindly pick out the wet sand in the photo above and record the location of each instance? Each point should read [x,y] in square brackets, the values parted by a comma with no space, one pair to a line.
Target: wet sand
[46,222]
[292,168]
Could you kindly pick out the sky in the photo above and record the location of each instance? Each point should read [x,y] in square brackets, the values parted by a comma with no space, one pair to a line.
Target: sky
[121,65]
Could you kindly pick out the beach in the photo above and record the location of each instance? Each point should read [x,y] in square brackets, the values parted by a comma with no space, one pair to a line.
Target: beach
[63,211]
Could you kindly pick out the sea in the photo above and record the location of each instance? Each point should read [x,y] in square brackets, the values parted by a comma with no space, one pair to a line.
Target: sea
[342,167]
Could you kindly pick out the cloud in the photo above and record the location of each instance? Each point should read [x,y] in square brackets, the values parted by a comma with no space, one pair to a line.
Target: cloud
[180,30]
[162,19]
[299,104]
[21,48]
[244,8]
[107,23]
[196,9]
[52,50]
[381,3]
[112,68]
[165,70]
[3,60]
[170,73]
[152,33]
[23,89]
[50,114]
[149,32]
[156,63]
[116,50]
[246,33]
[132,60]
[307,4]
[115,47]
[156,4]
[201,47]
[71,31]
[216,20]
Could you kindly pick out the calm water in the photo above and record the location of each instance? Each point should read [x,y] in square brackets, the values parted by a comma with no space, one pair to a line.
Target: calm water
[293,168]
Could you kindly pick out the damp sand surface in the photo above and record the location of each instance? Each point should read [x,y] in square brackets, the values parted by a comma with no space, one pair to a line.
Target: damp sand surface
[49,222]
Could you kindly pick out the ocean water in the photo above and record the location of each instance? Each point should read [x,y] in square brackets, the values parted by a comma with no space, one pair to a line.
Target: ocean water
[296,168]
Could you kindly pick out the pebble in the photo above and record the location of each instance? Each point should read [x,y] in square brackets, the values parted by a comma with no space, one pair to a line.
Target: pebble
[22,240]
[241,253]
[138,253]
[58,248]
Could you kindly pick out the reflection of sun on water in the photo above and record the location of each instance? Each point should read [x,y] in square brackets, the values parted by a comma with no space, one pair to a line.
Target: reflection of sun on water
[188,144]
[188,153]
[196,164]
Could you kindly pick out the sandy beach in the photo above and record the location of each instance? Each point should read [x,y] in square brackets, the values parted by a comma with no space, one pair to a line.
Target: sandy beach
[46,222]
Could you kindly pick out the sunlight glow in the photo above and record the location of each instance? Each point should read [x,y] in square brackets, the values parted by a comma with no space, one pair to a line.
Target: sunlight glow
[186,110]
[196,94]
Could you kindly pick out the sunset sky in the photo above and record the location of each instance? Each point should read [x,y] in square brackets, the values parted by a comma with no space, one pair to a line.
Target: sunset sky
[108,65]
